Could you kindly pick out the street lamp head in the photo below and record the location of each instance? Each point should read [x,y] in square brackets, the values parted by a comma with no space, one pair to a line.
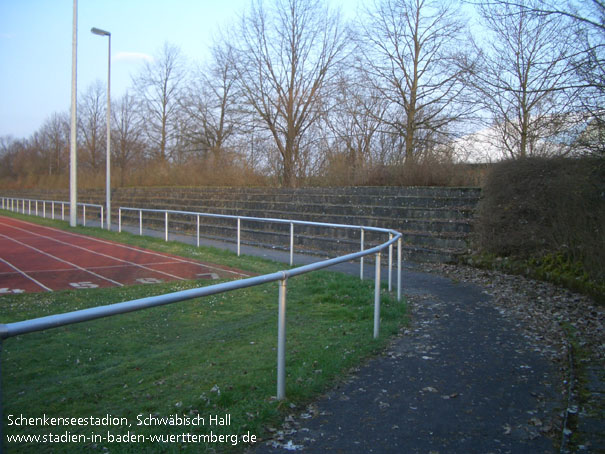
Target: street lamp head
[98,31]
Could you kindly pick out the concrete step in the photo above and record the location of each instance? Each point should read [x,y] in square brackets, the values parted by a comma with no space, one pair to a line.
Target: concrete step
[315,211]
[316,204]
[415,228]
[436,222]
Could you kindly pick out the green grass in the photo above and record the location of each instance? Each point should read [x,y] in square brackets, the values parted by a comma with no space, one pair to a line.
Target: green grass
[209,356]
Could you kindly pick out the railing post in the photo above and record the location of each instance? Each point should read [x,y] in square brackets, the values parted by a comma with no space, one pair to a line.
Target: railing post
[140,222]
[377,298]
[197,230]
[102,217]
[84,215]
[62,211]
[281,342]
[291,243]
[120,220]
[399,269]
[239,235]
[361,260]
[37,208]
[390,262]
[52,209]
[44,209]
[29,207]
[166,225]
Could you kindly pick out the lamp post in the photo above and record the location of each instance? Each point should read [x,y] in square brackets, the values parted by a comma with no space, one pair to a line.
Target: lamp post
[100,32]
[73,155]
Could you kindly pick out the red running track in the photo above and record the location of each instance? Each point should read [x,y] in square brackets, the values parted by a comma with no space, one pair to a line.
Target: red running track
[34,258]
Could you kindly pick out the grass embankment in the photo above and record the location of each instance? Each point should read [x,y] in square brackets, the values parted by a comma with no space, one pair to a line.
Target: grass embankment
[209,356]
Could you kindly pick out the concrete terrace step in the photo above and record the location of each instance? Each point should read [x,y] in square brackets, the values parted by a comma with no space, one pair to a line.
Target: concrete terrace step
[436,222]
[324,200]
[439,226]
[348,191]
[328,246]
[261,209]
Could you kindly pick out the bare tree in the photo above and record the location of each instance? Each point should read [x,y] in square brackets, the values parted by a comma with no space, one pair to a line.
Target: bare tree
[127,135]
[209,105]
[590,13]
[9,148]
[54,135]
[158,90]
[285,58]
[356,120]
[28,160]
[522,78]
[411,51]
[91,124]
[589,21]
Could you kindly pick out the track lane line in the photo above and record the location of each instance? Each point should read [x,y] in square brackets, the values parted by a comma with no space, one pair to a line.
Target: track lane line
[24,274]
[63,261]
[125,246]
[97,253]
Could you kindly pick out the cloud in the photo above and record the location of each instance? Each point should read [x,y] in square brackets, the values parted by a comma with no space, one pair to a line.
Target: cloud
[132,57]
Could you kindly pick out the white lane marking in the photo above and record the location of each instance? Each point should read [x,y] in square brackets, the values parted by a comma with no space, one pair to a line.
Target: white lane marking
[63,261]
[212,275]
[24,274]
[149,280]
[85,284]
[97,253]
[144,251]
[6,290]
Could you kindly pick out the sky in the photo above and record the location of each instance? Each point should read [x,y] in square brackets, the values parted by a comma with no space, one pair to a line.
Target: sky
[36,46]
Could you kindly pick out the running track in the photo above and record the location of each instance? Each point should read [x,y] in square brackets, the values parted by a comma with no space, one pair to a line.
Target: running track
[35,258]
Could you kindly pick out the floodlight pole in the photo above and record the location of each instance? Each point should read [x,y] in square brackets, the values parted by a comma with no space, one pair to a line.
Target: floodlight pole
[73,156]
[100,32]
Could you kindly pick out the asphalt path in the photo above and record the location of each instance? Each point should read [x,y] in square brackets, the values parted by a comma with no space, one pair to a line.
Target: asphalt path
[461,379]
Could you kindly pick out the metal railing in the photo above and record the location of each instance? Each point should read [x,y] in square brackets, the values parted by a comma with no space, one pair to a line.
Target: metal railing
[238,226]
[53,321]
[35,206]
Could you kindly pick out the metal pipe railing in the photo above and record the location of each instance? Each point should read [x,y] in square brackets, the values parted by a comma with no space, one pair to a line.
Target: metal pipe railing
[53,321]
[8,203]
[239,219]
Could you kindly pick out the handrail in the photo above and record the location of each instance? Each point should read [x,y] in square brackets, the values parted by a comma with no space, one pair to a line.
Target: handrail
[42,323]
[292,223]
[8,203]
